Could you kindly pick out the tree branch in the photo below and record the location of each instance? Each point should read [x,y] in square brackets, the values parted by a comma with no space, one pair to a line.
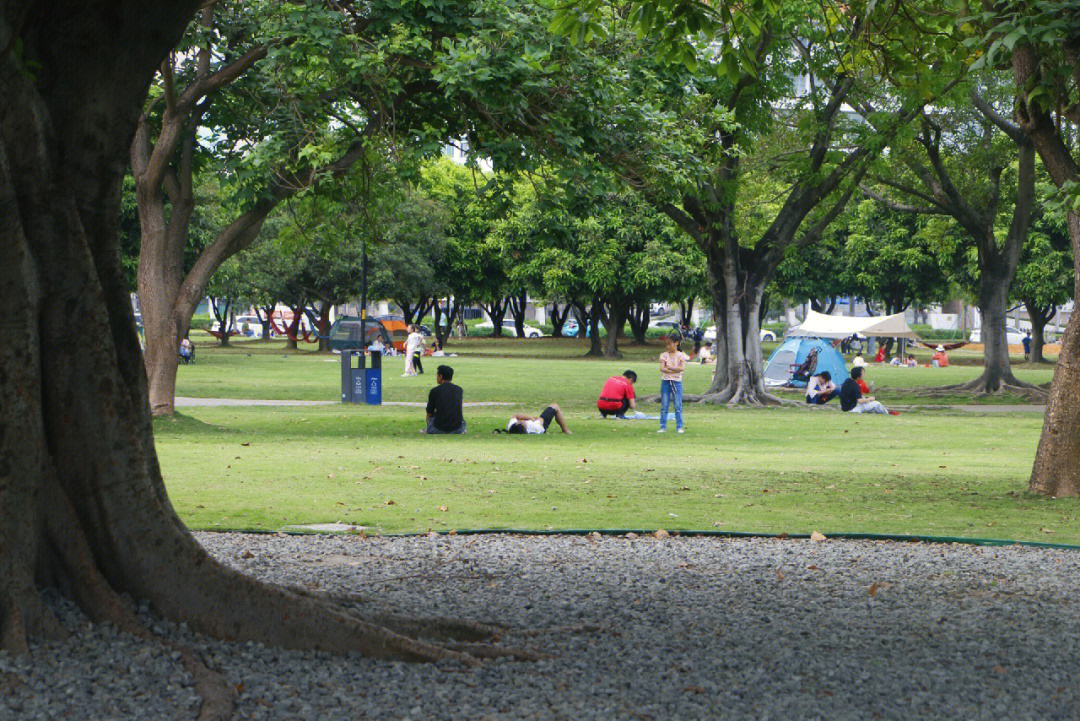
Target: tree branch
[901,207]
[1013,131]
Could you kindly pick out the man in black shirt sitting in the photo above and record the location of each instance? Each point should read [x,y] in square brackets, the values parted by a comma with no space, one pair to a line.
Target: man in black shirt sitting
[444,404]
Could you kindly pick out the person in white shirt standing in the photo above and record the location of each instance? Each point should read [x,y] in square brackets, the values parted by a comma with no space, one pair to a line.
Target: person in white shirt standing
[672,365]
[411,343]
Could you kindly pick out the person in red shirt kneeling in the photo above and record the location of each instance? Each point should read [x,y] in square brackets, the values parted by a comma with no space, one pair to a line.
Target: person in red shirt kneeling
[617,396]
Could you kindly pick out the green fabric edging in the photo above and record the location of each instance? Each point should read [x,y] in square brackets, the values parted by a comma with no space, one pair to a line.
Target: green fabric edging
[707,533]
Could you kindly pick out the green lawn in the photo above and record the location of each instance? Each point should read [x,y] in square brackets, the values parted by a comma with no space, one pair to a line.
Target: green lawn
[527,371]
[945,473]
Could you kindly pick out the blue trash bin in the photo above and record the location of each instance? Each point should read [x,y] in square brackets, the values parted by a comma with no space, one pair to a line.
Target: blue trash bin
[373,381]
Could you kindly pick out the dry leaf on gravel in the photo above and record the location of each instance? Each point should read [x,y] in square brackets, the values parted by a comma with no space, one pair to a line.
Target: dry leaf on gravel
[817,536]
[873,589]
[661,533]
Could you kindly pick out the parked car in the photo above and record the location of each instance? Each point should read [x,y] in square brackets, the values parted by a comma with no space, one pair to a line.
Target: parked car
[1014,335]
[765,335]
[508,327]
[254,329]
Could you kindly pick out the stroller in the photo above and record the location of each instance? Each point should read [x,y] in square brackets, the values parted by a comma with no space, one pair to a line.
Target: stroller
[806,369]
[187,352]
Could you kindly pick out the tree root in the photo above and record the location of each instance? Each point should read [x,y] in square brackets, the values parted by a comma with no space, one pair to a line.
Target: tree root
[486,650]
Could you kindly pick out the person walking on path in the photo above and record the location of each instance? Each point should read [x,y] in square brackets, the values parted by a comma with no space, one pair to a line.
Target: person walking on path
[672,365]
[444,405]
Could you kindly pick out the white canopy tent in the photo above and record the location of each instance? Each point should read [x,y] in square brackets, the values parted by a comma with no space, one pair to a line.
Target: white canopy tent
[819,325]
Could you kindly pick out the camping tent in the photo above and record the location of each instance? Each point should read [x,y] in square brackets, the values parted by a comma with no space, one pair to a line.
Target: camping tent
[345,334]
[819,325]
[793,352]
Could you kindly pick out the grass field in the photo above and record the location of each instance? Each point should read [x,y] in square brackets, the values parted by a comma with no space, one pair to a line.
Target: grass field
[529,371]
[946,473]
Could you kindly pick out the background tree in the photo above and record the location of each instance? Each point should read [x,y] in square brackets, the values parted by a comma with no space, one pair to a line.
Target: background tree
[276,97]
[681,138]
[970,163]
[1044,277]
[1039,42]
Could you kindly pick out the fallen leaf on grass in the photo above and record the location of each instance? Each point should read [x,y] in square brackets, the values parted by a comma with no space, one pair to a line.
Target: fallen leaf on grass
[816,536]
[329,475]
[685,488]
[717,523]
[1047,530]
[246,444]
[390,502]
[443,508]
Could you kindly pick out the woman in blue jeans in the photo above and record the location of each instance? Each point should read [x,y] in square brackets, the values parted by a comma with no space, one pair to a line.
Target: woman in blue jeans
[672,365]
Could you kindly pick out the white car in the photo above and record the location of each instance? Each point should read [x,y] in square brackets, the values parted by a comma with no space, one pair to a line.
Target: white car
[765,335]
[1014,335]
[508,326]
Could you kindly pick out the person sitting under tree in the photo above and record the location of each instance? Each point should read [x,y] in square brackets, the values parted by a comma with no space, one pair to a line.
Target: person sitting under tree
[617,395]
[521,423]
[444,405]
[852,398]
[820,389]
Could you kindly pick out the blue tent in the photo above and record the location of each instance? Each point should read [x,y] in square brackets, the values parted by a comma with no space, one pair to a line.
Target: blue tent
[793,352]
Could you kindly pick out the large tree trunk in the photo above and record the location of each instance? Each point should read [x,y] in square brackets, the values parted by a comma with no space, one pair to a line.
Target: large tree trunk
[496,311]
[1056,471]
[82,504]
[639,316]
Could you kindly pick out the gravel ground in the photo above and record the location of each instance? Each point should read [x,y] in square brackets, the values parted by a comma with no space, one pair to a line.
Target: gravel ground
[688,628]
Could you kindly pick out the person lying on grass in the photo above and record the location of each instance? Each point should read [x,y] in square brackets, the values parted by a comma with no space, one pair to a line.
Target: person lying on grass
[521,423]
[852,398]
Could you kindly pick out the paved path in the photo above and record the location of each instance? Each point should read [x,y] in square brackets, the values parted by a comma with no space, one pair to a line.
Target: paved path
[182,402]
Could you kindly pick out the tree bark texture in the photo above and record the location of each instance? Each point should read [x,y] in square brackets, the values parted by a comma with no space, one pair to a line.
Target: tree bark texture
[613,322]
[517,303]
[82,503]
[1056,471]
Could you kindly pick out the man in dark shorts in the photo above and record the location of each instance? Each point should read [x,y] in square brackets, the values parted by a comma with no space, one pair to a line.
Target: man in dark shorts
[617,395]
[521,423]
[444,404]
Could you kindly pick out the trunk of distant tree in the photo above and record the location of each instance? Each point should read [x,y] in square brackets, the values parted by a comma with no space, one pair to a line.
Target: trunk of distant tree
[518,303]
[496,311]
[558,319]
[264,313]
[413,312]
[686,310]
[442,332]
[823,305]
[222,310]
[293,328]
[639,316]
[1039,315]
[1056,471]
[613,320]
[592,323]
[320,321]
